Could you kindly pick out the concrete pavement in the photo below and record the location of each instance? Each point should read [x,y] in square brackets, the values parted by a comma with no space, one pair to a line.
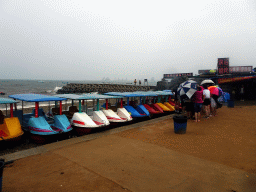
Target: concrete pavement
[131,164]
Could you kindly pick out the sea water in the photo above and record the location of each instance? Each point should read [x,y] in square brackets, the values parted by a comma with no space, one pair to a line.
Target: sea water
[46,87]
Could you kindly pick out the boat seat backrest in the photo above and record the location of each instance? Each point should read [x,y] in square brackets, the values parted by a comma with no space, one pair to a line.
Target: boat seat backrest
[56,111]
[113,108]
[40,112]
[73,109]
[119,104]
[1,117]
[18,113]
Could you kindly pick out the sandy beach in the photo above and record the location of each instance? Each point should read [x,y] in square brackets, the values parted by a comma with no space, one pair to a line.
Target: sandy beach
[226,140]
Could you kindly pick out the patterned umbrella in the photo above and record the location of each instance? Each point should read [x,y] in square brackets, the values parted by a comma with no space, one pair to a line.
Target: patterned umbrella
[187,89]
[214,90]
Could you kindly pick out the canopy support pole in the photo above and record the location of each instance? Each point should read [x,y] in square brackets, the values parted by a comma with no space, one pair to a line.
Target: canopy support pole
[106,104]
[127,101]
[6,110]
[80,106]
[11,109]
[22,112]
[86,107]
[15,106]
[60,107]
[36,109]
[49,107]
[98,104]
[159,99]
[140,101]
[83,106]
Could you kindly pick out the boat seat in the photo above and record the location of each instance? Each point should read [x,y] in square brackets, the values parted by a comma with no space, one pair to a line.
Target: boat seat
[73,109]
[114,108]
[119,104]
[1,117]
[56,111]
[68,114]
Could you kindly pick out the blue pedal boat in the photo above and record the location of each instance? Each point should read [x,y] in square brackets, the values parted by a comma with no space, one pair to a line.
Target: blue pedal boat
[139,111]
[36,122]
[144,100]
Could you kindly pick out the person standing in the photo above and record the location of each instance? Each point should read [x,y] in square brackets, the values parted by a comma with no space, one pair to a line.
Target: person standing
[197,99]
[207,101]
[135,81]
[242,93]
[189,107]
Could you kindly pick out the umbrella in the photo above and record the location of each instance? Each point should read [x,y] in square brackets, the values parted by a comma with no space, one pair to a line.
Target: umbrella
[207,81]
[214,90]
[220,91]
[187,89]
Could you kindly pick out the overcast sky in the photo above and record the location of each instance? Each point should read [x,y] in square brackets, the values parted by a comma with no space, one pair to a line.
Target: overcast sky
[90,39]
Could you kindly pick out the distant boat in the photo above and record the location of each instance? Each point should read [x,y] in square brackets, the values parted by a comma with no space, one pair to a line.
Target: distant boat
[40,81]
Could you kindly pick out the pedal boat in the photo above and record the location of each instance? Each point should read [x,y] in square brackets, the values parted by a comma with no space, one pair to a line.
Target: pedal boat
[139,111]
[36,123]
[10,128]
[80,120]
[147,96]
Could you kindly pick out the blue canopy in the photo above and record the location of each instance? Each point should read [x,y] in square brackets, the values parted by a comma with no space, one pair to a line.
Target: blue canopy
[158,93]
[143,93]
[7,101]
[164,92]
[124,94]
[87,96]
[70,96]
[30,97]
[99,96]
